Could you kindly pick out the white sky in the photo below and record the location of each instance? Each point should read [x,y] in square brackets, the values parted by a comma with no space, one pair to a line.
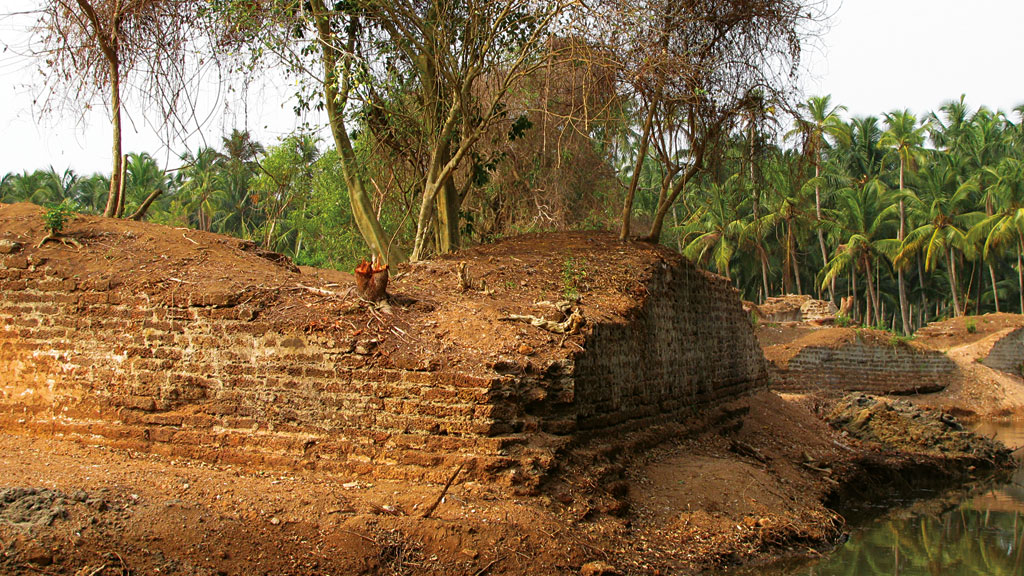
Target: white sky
[877,56]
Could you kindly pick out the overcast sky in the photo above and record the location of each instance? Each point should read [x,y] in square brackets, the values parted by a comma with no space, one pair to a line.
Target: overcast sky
[877,56]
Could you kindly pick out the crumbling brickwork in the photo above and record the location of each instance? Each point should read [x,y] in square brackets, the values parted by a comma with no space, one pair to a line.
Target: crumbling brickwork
[864,366]
[691,347]
[1007,353]
[208,378]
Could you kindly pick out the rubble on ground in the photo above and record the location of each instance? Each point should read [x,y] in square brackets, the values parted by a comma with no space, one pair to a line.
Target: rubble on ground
[902,426]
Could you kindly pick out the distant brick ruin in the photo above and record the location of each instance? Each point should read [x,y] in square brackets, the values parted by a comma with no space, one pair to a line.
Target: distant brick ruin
[793,308]
[267,370]
[857,360]
[1007,352]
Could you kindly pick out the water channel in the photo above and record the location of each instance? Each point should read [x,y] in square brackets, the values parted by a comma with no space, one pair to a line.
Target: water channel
[978,530]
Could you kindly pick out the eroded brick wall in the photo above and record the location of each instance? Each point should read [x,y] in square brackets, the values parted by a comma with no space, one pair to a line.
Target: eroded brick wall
[864,367]
[207,380]
[690,347]
[1007,353]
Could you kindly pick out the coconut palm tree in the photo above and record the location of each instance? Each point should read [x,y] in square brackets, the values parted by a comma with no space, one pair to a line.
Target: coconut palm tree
[821,120]
[904,137]
[1003,230]
[943,211]
[864,216]
[791,211]
[239,215]
[713,232]
[948,128]
[91,193]
[201,180]
[145,181]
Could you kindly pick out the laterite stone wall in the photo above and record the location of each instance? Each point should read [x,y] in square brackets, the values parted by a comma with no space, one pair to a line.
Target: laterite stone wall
[859,366]
[1007,353]
[206,377]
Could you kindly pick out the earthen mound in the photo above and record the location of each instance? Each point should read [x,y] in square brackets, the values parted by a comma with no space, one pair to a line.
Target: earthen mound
[989,352]
[965,330]
[899,425]
[793,308]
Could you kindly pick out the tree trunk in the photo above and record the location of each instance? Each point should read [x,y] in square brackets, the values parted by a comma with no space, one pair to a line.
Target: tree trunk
[141,212]
[856,304]
[904,310]
[627,205]
[995,292]
[821,233]
[439,183]
[796,270]
[764,271]
[336,91]
[121,192]
[666,201]
[448,204]
[871,304]
[953,283]
[981,286]
[787,266]
[924,295]
[116,175]
[761,255]
[791,256]
[1020,274]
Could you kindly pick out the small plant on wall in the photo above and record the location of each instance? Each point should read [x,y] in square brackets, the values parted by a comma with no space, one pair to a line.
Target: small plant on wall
[55,218]
[574,275]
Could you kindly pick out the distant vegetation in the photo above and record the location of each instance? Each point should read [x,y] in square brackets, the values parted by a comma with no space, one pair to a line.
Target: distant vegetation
[454,123]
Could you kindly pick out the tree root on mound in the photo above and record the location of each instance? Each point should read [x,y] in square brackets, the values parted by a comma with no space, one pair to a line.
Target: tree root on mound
[570,325]
[57,237]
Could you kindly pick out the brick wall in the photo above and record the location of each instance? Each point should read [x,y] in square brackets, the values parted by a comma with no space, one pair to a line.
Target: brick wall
[205,379]
[691,347]
[861,366]
[1007,353]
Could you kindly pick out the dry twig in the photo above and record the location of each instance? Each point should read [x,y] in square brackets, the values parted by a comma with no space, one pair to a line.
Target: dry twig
[432,507]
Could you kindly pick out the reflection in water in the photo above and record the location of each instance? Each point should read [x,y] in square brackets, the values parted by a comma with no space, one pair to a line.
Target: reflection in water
[965,534]
[966,540]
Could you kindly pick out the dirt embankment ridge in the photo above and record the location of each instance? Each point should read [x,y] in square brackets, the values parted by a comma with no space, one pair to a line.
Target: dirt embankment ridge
[743,481]
[456,324]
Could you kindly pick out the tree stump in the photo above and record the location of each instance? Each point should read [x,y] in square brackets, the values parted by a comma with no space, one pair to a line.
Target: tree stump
[372,281]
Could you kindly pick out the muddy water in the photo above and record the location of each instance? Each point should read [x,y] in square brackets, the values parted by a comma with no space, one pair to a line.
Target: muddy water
[977,531]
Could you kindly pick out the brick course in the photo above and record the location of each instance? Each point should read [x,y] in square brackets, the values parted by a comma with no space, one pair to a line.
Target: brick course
[1007,353]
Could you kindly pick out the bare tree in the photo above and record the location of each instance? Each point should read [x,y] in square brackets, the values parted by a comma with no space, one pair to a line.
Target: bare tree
[91,47]
[448,67]
[695,67]
[465,58]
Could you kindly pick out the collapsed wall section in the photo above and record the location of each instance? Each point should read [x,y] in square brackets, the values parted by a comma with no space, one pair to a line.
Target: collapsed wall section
[690,347]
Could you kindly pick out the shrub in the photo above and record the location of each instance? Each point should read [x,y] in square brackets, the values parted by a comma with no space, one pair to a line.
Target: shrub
[56,216]
[573,275]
